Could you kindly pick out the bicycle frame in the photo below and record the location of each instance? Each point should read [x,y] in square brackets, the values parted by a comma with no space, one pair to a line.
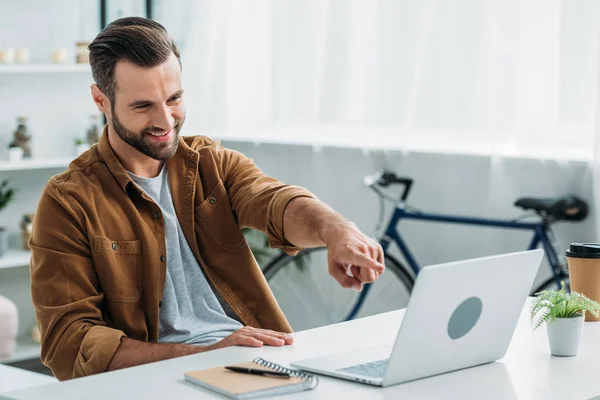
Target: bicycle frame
[392,234]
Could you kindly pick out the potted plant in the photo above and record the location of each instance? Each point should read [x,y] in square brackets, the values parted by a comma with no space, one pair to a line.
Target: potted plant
[563,314]
[20,145]
[6,195]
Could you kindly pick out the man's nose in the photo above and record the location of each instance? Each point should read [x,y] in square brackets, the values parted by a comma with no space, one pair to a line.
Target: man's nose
[163,119]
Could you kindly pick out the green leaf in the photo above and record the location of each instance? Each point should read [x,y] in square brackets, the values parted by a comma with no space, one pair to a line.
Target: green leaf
[6,194]
[543,318]
[550,305]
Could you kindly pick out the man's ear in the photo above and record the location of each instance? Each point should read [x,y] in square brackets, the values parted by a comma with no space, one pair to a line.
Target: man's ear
[100,99]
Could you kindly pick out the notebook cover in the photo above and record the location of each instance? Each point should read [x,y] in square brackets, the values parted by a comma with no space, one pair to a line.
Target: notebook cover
[236,385]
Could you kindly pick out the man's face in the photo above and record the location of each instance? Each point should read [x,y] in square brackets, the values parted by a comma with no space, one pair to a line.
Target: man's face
[148,111]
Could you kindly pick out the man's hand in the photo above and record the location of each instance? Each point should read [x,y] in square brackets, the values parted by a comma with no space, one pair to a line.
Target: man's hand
[254,337]
[349,248]
[310,223]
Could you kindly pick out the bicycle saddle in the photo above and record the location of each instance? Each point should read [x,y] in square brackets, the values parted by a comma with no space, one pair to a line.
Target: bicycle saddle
[569,208]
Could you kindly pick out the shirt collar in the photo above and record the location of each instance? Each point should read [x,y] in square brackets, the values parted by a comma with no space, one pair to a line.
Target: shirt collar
[120,173]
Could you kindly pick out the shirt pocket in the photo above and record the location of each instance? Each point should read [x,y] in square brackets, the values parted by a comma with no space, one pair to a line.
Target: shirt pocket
[118,265]
[215,216]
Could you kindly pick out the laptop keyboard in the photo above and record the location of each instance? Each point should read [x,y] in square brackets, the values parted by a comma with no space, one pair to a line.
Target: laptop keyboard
[375,369]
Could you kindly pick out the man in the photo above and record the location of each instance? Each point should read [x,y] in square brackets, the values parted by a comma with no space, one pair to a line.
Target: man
[137,253]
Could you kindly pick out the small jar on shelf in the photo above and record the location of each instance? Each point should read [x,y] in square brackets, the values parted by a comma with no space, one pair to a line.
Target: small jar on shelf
[83,54]
[59,56]
[7,55]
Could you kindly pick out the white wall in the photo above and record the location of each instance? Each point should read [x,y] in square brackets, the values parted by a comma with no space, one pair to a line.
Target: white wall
[453,184]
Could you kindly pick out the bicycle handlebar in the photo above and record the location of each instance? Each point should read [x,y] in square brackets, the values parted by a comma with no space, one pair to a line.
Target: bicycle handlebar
[387,178]
[370,180]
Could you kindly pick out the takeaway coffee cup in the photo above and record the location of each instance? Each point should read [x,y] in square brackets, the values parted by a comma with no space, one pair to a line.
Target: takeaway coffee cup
[584,271]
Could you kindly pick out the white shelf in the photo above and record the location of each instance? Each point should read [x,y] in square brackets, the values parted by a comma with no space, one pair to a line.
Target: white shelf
[44,68]
[36,163]
[15,258]
[27,349]
[405,140]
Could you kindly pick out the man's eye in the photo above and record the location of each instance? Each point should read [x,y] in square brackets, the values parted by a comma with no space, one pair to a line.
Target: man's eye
[141,106]
[172,99]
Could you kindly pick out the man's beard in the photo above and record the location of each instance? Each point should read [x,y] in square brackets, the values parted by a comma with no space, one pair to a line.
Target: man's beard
[157,151]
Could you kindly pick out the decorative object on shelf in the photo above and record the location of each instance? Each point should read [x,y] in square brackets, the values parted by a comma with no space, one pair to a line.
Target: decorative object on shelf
[15,154]
[26,226]
[22,55]
[21,138]
[36,336]
[563,314]
[6,195]
[7,56]
[93,132]
[80,146]
[83,54]
[59,56]
[9,324]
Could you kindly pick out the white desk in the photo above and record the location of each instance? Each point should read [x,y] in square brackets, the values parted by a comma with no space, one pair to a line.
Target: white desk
[12,378]
[527,372]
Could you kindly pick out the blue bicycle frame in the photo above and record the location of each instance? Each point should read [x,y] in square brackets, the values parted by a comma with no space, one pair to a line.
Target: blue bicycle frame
[540,230]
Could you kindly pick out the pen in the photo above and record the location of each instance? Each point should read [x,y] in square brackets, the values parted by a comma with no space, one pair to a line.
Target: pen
[261,372]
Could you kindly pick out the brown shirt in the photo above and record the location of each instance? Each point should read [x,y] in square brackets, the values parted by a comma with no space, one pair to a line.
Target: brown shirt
[98,248]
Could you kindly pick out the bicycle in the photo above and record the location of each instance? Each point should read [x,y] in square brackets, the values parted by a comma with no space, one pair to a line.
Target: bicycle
[309,297]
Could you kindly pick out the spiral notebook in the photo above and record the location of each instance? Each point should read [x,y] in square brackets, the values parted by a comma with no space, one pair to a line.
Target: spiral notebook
[245,386]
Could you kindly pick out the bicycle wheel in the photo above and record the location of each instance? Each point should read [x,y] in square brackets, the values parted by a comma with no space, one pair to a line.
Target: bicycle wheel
[310,297]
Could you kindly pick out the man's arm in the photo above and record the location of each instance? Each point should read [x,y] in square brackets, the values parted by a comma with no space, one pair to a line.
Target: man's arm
[76,340]
[268,205]
[133,352]
[258,200]
[311,223]
[308,222]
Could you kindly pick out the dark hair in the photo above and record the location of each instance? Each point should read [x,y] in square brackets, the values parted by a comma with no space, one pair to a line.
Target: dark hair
[140,41]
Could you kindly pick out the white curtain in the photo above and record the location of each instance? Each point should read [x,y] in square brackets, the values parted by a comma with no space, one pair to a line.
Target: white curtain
[508,72]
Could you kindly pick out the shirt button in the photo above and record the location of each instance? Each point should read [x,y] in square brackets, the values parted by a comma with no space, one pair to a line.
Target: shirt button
[163,258]
[115,246]
[212,200]
[156,215]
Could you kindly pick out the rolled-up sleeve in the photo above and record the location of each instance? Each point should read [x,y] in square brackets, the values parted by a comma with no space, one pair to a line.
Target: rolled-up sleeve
[258,200]
[76,341]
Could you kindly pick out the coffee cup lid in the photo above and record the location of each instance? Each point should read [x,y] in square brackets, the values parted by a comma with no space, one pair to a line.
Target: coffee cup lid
[584,250]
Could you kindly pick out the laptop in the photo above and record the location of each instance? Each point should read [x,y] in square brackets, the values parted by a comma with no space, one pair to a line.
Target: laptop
[459,315]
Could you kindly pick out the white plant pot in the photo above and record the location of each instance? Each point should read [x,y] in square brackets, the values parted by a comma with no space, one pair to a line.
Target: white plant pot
[564,335]
[15,154]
